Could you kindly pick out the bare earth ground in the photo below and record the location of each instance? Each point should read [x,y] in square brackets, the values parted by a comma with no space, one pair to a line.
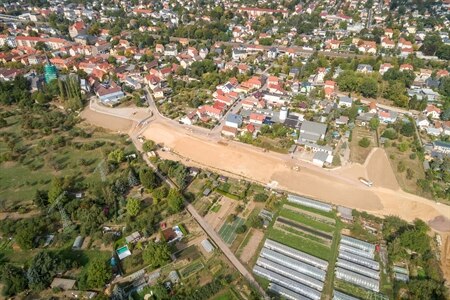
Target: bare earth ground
[339,186]
[249,250]
[217,219]
[105,121]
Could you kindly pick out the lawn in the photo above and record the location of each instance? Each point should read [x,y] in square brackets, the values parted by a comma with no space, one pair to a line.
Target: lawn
[299,243]
[302,234]
[289,214]
[216,208]
[359,154]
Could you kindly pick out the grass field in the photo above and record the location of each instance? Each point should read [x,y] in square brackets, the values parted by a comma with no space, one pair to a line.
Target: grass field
[359,154]
[300,233]
[36,166]
[216,208]
[296,242]
[289,214]
[227,294]
[228,231]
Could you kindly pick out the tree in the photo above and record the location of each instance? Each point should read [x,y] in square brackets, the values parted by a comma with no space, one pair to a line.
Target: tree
[364,142]
[91,218]
[133,206]
[241,229]
[42,269]
[98,273]
[40,198]
[116,156]
[148,178]
[156,254]
[407,129]
[55,190]
[26,234]
[369,87]
[133,180]
[160,192]
[149,145]
[40,46]
[175,200]
[13,279]
[256,221]
[374,123]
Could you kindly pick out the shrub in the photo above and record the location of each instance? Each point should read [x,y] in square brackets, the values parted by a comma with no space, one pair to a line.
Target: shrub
[261,197]
[364,142]
[409,174]
[412,156]
[401,167]
[241,229]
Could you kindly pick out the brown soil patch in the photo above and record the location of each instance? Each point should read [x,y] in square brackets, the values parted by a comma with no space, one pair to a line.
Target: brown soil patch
[249,250]
[217,219]
[440,223]
[379,170]
[106,121]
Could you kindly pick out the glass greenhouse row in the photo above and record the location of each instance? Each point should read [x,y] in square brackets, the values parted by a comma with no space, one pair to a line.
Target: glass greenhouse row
[360,260]
[287,283]
[286,293]
[296,265]
[358,269]
[357,279]
[355,243]
[341,296]
[289,273]
[310,203]
[298,255]
[356,251]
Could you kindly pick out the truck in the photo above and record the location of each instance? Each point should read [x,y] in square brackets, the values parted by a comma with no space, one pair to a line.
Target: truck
[366,181]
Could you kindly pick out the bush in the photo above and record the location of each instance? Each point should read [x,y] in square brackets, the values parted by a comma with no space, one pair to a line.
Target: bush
[261,197]
[364,142]
[390,133]
[402,147]
[241,229]
[401,167]
[412,156]
[409,174]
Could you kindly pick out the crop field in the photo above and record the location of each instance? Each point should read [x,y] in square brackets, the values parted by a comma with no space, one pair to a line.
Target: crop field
[305,220]
[228,231]
[191,269]
[300,243]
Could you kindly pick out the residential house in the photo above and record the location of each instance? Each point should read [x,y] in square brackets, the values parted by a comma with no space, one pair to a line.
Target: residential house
[384,68]
[387,116]
[432,111]
[311,132]
[229,131]
[364,68]
[345,101]
[108,94]
[233,120]
[257,119]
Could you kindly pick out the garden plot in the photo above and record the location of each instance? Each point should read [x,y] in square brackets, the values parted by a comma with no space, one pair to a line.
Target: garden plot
[228,230]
